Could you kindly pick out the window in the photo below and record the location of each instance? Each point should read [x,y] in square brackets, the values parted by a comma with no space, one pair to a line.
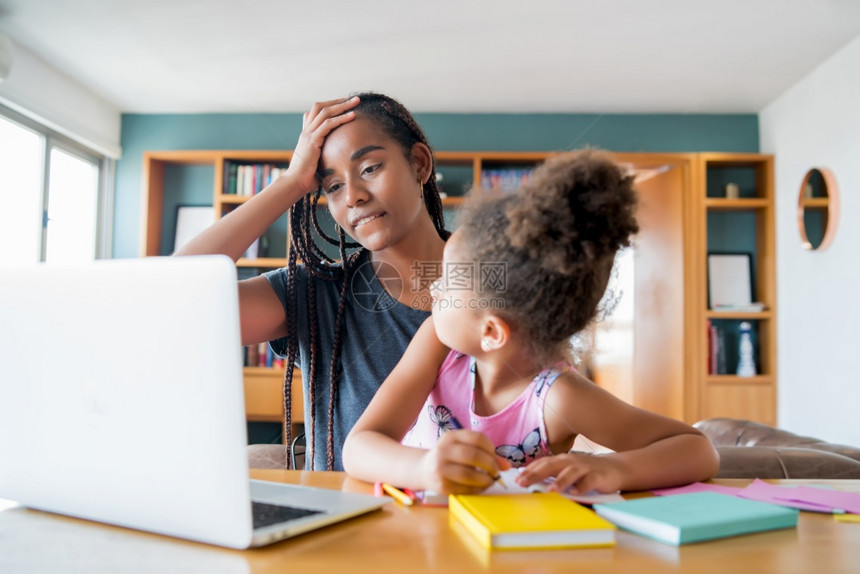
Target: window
[54,198]
[21,159]
[72,208]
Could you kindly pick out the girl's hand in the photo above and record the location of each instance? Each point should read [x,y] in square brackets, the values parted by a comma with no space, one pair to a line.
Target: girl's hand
[322,118]
[462,462]
[581,472]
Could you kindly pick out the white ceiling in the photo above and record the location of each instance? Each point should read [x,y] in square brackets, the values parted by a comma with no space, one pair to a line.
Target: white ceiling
[614,56]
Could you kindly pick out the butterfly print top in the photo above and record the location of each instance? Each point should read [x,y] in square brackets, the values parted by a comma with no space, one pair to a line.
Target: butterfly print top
[518,430]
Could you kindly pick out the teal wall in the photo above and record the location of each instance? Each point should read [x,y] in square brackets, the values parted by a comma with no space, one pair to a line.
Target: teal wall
[501,132]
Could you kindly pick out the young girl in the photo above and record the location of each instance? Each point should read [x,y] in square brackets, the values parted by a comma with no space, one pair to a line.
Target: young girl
[346,324]
[521,276]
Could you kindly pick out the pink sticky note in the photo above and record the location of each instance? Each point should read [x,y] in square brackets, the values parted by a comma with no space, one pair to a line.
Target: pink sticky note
[847,501]
[697,487]
[765,492]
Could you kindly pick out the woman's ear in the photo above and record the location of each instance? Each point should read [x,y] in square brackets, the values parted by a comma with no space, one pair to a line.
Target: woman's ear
[422,161]
[495,333]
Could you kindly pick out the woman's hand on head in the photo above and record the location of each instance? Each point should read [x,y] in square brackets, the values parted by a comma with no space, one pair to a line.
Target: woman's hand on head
[317,123]
[580,472]
[462,462]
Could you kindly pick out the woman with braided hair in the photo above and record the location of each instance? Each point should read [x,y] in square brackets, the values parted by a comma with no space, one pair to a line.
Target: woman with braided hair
[345,323]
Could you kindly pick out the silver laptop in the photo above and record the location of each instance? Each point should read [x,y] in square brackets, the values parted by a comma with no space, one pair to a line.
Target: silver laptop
[121,401]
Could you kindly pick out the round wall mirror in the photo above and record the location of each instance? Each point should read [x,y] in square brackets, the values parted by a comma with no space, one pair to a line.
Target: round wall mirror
[817,209]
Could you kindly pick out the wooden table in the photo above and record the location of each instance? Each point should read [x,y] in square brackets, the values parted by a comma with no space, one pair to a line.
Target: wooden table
[412,540]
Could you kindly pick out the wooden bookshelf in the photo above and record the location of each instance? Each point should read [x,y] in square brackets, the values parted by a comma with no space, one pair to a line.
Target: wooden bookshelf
[264,395]
[679,194]
[746,223]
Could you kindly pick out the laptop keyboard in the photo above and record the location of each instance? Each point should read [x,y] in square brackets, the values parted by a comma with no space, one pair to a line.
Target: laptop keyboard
[268,514]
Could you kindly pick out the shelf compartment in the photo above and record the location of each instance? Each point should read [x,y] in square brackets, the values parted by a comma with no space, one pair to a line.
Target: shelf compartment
[503,176]
[457,172]
[733,399]
[752,173]
[264,395]
[183,185]
[723,354]
[249,177]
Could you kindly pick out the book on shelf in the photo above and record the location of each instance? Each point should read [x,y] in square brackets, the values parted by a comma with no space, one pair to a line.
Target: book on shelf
[696,517]
[257,249]
[755,307]
[711,355]
[231,174]
[253,250]
[261,355]
[530,521]
[252,355]
[717,362]
[246,179]
[264,355]
[504,180]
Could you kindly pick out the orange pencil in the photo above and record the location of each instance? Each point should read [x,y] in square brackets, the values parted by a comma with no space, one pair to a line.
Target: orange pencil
[397,494]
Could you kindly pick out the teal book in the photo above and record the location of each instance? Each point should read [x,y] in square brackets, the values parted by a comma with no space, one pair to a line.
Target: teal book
[684,518]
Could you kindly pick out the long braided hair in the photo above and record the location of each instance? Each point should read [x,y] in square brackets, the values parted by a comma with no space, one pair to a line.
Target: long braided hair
[396,121]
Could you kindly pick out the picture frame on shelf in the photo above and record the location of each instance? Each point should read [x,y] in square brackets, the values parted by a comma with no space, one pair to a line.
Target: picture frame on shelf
[191,220]
[730,280]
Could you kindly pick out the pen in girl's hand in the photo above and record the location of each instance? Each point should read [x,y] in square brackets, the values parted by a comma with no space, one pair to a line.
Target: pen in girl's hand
[498,478]
[455,424]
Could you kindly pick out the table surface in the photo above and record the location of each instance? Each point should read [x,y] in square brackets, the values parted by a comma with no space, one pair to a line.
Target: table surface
[413,540]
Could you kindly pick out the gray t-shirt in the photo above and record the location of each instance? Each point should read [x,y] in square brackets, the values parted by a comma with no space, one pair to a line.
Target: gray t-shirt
[376,331]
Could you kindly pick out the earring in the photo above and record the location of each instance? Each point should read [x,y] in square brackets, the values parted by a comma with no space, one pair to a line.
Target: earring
[337,229]
[485,345]
[420,189]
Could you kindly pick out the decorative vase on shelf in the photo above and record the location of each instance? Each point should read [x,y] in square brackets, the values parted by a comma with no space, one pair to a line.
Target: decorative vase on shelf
[746,361]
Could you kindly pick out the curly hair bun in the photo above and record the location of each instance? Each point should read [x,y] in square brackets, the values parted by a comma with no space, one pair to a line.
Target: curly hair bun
[558,236]
[576,210]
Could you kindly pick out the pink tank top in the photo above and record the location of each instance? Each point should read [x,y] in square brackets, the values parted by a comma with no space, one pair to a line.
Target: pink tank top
[518,431]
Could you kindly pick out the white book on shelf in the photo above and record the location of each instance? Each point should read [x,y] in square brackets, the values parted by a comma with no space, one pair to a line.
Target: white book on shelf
[754,307]
[240,180]
[253,251]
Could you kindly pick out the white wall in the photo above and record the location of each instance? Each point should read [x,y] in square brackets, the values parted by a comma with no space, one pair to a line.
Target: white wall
[816,123]
[43,93]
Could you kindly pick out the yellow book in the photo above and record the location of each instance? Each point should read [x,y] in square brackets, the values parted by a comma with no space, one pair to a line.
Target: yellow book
[530,521]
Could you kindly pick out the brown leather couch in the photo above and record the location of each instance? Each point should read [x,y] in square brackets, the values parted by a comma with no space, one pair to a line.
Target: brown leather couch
[754,450]
[747,450]
[267,456]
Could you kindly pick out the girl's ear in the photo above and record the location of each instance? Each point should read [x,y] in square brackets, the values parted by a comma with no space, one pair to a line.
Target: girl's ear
[422,161]
[495,333]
